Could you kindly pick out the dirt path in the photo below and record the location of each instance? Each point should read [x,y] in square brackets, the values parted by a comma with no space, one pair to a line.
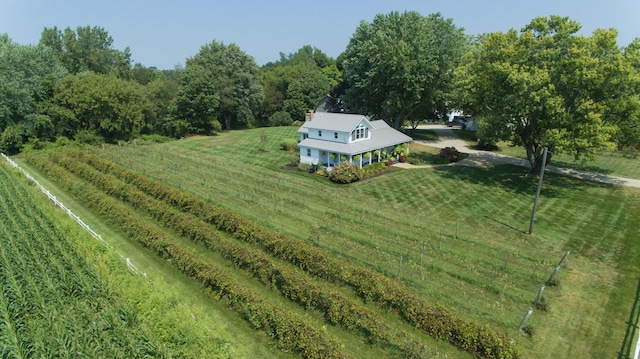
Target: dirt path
[484,159]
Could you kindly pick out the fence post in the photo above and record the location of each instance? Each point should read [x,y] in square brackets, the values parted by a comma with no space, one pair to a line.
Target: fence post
[555,270]
[524,320]
[539,295]
[564,257]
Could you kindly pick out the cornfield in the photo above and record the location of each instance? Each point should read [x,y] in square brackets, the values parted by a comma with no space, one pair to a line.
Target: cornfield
[52,303]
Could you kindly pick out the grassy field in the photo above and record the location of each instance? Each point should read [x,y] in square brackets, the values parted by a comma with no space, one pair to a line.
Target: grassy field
[457,236]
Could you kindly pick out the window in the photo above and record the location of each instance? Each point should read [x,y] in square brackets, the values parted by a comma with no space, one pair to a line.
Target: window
[308,152]
[319,133]
[359,133]
[335,135]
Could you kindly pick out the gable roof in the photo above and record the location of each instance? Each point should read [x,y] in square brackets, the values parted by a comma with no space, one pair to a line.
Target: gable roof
[382,135]
[329,121]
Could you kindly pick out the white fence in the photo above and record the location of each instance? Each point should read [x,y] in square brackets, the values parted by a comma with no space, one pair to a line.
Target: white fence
[73,215]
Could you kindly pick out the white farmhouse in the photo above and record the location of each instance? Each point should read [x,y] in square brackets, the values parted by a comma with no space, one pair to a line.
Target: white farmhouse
[328,138]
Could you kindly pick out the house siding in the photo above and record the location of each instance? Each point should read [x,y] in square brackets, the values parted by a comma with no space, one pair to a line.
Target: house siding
[313,159]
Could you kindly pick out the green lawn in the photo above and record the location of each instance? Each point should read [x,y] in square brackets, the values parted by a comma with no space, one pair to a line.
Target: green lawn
[460,232]
[610,163]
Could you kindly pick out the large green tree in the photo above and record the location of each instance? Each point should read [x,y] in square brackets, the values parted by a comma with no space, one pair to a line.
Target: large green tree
[546,86]
[297,82]
[626,108]
[161,94]
[235,77]
[87,49]
[304,92]
[400,66]
[196,104]
[99,105]
[26,76]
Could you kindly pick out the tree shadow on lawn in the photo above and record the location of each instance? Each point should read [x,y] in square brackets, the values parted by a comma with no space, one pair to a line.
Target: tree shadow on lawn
[421,134]
[514,179]
[581,166]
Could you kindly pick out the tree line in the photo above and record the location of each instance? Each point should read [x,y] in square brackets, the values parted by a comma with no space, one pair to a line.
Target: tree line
[543,86]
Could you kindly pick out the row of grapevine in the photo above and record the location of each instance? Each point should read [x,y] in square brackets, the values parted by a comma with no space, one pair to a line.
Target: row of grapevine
[290,331]
[52,304]
[438,322]
[294,284]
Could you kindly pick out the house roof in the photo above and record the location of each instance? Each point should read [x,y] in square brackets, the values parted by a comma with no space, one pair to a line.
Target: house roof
[381,136]
[329,121]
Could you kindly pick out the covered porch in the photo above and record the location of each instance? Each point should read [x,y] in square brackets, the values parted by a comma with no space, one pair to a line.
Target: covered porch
[361,159]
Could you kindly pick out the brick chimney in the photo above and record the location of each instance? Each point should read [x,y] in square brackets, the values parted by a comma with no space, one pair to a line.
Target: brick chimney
[309,115]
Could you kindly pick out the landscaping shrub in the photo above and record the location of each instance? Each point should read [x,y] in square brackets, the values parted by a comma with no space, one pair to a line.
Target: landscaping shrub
[373,169]
[289,145]
[450,153]
[345,172]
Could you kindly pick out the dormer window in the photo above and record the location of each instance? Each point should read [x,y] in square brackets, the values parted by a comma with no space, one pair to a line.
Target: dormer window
[359,133]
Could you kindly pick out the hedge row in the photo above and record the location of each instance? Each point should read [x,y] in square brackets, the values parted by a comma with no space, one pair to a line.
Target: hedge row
[289,330]
[294,285]
[438,322]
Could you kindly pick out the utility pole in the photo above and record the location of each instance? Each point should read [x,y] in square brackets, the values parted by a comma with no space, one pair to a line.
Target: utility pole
[535,202]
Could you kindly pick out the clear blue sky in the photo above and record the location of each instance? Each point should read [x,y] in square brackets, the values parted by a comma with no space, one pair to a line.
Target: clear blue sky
[164,33]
